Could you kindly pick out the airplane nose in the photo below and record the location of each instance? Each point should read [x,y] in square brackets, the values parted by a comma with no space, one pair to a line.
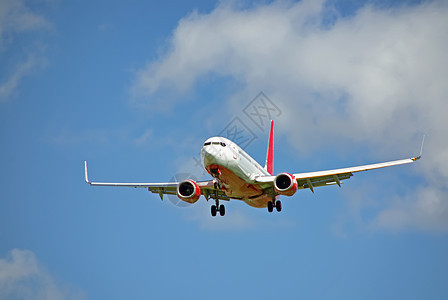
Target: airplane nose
[206,156]
[209,155]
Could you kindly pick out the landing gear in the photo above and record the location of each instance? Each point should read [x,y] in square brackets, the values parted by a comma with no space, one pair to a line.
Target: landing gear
[270,206]
[277,204]
[218,208]
[218,184]
[222,210]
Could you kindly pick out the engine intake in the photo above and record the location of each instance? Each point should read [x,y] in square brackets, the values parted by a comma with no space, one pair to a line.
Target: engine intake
[285,184]
[188,191]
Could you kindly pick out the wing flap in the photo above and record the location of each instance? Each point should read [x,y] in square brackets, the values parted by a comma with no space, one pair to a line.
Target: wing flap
[304,183]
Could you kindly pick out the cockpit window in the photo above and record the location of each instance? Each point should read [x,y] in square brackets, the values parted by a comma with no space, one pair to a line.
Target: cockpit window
[215,143]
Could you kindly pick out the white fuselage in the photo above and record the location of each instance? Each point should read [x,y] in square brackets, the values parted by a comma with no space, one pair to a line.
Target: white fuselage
[235,170]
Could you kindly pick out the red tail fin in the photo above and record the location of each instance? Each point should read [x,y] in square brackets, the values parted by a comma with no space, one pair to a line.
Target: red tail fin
[269,166]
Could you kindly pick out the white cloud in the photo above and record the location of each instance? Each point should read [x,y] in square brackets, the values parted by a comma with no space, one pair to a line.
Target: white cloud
[427,210]
[15,16]
[377,78]
[21,70]
[23,277]
[144,138]
[15,20]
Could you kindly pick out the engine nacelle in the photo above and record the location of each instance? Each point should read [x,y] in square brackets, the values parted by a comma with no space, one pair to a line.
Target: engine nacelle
[188,191]
[285,184]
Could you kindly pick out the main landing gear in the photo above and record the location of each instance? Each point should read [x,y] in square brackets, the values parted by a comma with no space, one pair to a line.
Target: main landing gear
[218,208]
[277,204]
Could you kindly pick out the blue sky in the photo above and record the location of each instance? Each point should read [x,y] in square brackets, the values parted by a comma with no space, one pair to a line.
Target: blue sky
[135,87]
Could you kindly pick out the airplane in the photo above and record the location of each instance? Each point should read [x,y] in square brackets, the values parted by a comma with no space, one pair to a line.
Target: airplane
[237,176]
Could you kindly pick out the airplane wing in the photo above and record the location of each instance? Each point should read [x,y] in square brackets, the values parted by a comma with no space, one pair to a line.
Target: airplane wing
[331,177]
[164,188]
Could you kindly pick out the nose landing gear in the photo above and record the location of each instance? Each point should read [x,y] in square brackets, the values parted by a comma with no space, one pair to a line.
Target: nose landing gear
[218,208]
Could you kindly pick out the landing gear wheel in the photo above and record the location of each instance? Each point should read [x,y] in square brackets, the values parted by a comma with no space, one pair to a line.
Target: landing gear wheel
[213,210]
[222,210]
[278,205]
[270,206]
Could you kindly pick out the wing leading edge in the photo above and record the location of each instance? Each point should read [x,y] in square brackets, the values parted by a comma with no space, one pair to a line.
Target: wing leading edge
[331,177]
[163,188]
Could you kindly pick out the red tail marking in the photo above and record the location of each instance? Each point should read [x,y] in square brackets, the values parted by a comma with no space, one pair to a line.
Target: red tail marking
[269,166]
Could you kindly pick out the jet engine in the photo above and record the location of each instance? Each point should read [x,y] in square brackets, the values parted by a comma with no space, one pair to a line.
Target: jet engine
[285,184]
[188,191]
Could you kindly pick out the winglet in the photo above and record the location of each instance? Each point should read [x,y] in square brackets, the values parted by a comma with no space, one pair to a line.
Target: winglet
[85,172]
[421,149]
[269,166]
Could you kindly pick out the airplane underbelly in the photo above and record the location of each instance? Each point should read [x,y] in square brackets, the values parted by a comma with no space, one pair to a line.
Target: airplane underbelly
[236,187]
[259,202]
